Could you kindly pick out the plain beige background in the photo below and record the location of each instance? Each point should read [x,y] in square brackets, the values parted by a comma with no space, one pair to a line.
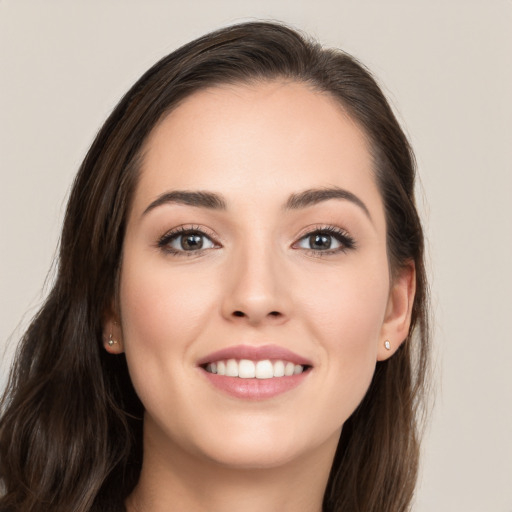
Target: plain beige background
[446,67]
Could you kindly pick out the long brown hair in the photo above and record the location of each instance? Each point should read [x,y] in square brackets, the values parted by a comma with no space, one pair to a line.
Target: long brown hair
[70,426]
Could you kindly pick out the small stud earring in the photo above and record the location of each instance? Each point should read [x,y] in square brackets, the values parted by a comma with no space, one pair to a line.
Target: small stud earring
[387,345]
[111,341]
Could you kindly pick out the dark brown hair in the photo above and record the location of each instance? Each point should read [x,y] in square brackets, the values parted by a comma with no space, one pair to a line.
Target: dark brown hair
[70,426]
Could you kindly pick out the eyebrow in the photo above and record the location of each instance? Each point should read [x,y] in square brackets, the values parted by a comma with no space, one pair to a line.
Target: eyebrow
[200,199]
[314,196]
[300,200]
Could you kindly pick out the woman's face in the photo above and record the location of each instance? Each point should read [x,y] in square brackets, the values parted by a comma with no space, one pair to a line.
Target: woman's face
[256,230]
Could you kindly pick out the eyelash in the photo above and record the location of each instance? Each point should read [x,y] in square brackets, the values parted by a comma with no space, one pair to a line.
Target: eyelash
[341,236]
[165,240]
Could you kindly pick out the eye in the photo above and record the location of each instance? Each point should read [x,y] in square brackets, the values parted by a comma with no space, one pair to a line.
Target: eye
[326,240]
[186,240]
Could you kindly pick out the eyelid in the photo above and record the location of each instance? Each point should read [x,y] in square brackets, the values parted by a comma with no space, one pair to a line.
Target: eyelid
[331,228]
[162,242]
[342,235]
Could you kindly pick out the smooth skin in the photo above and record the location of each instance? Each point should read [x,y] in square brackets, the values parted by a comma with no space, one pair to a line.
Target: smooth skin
[264,273]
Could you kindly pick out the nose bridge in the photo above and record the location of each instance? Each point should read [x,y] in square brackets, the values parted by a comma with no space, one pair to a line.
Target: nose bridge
[256,288]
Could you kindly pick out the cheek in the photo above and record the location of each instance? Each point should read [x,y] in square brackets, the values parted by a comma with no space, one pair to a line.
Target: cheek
[345,317]
[162,313]
[161,306]
[156,295]
[347,307]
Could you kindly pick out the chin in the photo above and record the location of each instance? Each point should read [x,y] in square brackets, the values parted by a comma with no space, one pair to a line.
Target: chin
[262,447]
[250,457]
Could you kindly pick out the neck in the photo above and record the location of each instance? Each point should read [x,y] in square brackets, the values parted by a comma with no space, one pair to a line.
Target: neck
[175,480]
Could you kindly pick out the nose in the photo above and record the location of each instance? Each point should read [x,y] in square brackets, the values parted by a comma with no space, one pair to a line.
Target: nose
[256,290]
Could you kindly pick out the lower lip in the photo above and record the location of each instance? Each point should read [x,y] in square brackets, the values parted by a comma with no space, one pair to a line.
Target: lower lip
[255,389]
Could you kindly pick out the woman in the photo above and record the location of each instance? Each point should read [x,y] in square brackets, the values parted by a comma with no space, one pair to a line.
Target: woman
[240,314]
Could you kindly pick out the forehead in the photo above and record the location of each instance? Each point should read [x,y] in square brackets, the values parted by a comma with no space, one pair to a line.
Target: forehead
[260,140]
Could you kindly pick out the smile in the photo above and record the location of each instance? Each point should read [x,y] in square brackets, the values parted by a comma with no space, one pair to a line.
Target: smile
[255,372]
[248,369]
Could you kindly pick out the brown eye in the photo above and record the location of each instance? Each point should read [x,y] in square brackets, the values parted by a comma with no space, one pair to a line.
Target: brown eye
[191,242]
[328,240]
[320,242]
[186,241]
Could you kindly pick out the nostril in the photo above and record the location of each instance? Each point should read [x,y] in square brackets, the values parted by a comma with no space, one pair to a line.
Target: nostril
[241,313]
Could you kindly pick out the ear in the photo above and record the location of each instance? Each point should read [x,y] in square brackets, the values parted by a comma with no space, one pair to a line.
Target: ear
[398,312]
[112,333]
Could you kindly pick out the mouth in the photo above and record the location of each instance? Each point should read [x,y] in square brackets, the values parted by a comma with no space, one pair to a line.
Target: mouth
[260,362]
[255,372]
[249,369]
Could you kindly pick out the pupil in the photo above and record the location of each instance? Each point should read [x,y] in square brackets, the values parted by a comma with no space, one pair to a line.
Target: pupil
[320,241]
[192,242]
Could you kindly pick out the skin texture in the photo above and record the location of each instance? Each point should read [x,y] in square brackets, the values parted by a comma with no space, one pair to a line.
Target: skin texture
[255,282]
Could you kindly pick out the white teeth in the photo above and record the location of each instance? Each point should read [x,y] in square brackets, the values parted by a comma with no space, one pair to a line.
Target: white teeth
[232,368]
[221,368]
[247,369]
[211,367]
[288,369]
[279,369]
[264,370]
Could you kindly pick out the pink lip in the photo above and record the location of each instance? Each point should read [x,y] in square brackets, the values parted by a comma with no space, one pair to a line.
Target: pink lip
[259,353]
[254,389]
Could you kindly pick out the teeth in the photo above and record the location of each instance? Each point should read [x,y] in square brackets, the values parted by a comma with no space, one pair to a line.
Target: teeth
[288,369]
[247,369]
[264,370]
[221,368]
[232,368]
[279,369]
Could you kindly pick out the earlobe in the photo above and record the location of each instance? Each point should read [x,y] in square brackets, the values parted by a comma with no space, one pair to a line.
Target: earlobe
[112,337]
[397,321]
[112,332]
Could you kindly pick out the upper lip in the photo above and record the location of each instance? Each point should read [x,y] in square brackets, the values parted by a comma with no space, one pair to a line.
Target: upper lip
[254,353]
